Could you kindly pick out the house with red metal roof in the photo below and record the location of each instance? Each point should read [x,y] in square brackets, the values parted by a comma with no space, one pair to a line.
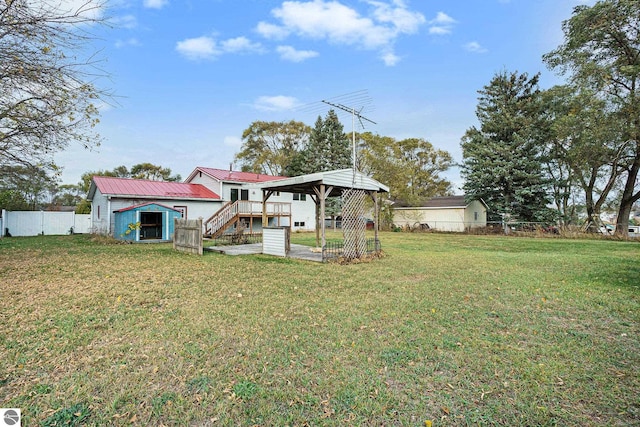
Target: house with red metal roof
[226,200]
[151,204]
[242,196]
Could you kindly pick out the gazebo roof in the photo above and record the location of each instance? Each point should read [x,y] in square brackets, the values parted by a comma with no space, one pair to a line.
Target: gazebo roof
[340,179]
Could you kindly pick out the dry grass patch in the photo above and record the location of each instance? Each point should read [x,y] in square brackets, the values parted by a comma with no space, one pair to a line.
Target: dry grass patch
[458,330]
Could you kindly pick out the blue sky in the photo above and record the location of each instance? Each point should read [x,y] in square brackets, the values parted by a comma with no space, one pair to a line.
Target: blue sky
[191,75]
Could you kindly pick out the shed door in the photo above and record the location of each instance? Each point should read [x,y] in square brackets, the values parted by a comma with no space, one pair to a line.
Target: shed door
[150,225]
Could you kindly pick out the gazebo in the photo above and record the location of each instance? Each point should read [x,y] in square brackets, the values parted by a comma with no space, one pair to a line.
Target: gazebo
[349,184]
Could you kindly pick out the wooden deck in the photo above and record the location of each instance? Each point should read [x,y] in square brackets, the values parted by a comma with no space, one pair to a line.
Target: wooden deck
[243,212]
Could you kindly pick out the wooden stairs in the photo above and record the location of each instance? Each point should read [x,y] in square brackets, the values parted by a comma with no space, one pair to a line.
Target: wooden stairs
[232,213]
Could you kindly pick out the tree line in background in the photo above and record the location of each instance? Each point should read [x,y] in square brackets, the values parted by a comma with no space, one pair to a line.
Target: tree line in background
[573,144]
[411,167]
[536,155]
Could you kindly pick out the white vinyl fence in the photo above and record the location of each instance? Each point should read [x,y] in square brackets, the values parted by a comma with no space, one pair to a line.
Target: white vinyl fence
[32,223]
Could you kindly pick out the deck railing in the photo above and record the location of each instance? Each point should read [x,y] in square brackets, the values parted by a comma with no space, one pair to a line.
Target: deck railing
[233,210]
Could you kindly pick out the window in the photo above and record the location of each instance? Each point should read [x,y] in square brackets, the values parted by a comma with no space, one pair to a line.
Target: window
[98,211]
[298,224]
[235,192]
[475,216]
[182,209]
[299,196]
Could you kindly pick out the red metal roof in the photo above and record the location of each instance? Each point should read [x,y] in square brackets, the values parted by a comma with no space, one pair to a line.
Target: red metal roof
[143,188]
[236,176]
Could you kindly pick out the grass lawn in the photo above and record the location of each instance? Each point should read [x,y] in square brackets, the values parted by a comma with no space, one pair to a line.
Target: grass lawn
[447,330]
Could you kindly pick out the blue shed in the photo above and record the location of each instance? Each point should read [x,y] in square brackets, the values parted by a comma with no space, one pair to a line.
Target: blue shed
[148,221]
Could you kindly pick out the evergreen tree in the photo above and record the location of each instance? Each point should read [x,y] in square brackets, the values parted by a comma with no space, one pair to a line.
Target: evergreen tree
[502,160]
[328,149]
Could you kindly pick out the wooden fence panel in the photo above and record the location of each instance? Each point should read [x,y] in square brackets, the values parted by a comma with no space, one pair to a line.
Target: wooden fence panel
[188,236]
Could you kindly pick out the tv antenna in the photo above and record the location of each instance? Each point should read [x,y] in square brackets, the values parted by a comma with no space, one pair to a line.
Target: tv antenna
[354,114]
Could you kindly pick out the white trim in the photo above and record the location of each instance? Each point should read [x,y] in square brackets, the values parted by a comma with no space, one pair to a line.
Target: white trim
[138,220]
[166,225]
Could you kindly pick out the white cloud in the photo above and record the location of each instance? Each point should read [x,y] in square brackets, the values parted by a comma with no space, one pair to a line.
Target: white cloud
[442,24]
[155,4]
[443,18]
[275,103]
[475,47]
[439,31]
[198,48]
[271,31]
[404,20]
[339,24]
[240,44]
[126,21]
[79,11]
[206,47]
[390,59]
[129,42]
[289,53]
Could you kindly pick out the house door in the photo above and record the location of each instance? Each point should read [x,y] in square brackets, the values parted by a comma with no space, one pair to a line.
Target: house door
[150,225]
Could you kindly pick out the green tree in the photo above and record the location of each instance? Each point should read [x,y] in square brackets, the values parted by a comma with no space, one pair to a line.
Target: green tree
[31,184]
[269,147]
[85,179]
[13,200]
[149,172]
[47,93]
[67,195]
[83,207]
[411,167]
[501,161]
[601,51]
[146,171]
[329,148]
[581,152]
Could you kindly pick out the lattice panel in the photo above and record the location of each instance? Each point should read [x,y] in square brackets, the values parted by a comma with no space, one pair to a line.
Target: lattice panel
[354,223]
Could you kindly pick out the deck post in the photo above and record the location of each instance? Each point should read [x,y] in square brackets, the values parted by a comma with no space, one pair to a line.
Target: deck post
[265,197]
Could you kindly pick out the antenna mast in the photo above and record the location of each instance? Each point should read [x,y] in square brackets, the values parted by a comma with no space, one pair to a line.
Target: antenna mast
[360,117]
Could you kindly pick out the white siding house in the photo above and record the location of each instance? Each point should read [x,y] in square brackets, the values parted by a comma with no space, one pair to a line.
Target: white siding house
[450,213]
[108,195]
[234,185]
[210,194]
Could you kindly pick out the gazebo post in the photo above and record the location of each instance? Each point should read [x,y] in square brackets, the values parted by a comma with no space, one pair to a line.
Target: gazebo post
[376,216]
[322,215]
[321,195]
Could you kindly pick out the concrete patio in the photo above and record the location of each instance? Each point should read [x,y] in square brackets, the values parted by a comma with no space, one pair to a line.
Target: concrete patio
[296,251]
